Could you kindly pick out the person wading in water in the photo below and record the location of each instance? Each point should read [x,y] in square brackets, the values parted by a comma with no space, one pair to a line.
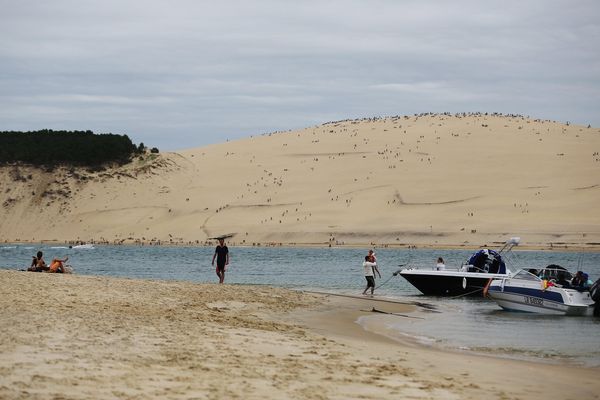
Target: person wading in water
[222,256]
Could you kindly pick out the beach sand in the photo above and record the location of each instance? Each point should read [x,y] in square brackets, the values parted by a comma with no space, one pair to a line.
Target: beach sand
[428,181]
[81,337]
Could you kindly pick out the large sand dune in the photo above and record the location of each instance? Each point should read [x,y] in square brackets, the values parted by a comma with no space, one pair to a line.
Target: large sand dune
[431,180]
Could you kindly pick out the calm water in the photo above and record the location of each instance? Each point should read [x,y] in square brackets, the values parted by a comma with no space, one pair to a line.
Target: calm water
[474,324]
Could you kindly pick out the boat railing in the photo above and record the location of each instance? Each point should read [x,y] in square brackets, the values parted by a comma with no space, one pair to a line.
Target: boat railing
[510,258]
[473,268]
[462,268]
[557,272]
[508,246]
[526,275]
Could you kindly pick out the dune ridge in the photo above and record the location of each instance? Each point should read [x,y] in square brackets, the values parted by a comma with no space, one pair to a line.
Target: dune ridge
[438,180]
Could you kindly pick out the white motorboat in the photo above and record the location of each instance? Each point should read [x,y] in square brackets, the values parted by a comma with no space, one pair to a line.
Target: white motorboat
[537,293]
[86,246]
[466,280]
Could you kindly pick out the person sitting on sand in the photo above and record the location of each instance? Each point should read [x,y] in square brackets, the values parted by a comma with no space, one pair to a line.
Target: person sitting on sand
[38,264]
[57,265]
[440,266]
[370,268]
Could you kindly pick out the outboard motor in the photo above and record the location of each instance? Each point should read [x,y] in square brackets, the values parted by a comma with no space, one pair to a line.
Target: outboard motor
[487,260]
[595,295]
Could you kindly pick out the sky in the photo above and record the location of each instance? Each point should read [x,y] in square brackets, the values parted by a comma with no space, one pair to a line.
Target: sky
[178,74]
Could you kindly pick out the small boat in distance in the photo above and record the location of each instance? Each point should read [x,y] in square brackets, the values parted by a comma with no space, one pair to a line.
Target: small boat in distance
[468,280]
[86,246]
[529,292]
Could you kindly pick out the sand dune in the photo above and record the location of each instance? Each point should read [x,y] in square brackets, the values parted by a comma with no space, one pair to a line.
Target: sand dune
[430,180]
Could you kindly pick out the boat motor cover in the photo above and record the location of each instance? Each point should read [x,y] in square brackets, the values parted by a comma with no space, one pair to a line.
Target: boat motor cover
[595,291]
[486,260]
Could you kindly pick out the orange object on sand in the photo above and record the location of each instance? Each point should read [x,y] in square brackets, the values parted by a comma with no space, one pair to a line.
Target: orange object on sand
[56,266]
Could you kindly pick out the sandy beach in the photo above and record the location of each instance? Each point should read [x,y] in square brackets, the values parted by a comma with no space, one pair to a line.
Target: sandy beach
[429,181]
[79,337]
[409,193]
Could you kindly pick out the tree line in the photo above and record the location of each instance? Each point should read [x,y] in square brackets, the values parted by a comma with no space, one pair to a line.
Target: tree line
[49,148]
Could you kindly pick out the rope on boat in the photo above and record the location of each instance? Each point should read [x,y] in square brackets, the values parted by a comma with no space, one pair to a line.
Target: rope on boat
[466,294]
[383,300]
[393,275]
[381,284]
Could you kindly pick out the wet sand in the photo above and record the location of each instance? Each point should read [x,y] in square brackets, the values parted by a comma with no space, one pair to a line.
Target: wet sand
[76,337]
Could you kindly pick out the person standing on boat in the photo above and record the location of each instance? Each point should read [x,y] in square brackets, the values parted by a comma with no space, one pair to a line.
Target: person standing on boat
[440,266]
[370,268]
[222,256]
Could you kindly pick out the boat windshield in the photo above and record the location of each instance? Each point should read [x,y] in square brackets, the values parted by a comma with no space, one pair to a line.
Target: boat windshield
[556,272]
[526,275]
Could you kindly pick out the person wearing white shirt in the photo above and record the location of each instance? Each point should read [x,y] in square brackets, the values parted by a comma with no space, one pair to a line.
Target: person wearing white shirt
[370,268]
[440,264]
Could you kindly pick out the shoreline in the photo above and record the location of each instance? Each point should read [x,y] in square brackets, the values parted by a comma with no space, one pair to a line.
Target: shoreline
[105,337]
[595,248]
[440,361]
[375,321]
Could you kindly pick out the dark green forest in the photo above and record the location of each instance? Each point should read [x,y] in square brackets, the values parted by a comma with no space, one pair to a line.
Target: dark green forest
[51,148]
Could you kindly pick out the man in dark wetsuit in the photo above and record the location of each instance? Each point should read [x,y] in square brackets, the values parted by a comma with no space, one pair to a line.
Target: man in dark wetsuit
[222,256]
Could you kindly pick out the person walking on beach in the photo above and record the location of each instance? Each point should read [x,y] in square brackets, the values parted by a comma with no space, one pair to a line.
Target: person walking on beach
[370,268]
[222,256]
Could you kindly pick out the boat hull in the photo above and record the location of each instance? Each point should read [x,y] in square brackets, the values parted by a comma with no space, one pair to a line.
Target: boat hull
[448,283]
[551,301]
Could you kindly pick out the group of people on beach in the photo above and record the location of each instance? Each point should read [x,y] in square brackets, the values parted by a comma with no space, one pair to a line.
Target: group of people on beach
[39,265]
[221,256]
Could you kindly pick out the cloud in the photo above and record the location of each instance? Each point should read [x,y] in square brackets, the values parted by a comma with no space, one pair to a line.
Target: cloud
[173,73]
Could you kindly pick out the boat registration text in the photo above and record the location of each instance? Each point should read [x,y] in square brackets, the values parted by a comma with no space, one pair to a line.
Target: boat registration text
[536,301]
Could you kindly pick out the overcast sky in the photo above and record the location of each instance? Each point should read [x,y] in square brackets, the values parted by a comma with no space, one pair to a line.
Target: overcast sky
[181,74]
